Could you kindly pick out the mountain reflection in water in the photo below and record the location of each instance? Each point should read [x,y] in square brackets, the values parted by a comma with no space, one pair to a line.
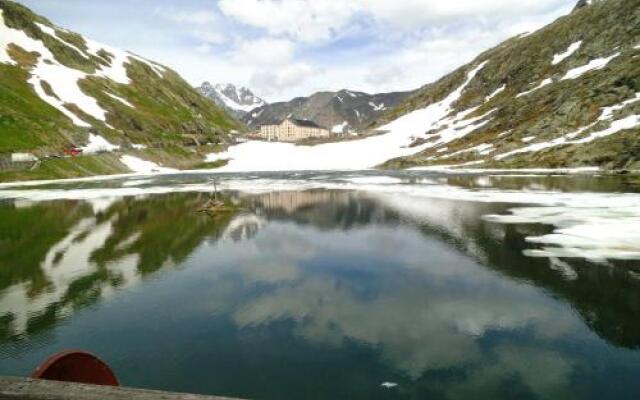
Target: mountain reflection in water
[314,294]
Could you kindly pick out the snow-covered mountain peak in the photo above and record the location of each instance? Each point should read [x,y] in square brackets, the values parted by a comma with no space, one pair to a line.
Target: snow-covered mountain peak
[238,99]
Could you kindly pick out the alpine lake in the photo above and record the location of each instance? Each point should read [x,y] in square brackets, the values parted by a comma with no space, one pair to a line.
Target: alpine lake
[358,285]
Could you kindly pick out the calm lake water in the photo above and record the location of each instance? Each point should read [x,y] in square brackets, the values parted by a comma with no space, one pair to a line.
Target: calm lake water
[409,285]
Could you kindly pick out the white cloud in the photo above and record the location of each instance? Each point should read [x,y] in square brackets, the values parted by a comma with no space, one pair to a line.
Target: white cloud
[319,20]
[272,82]
[303,20]
[368,45]
[263,52]
[195,17]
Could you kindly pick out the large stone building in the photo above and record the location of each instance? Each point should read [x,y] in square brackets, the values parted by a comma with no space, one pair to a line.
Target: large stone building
[293,130]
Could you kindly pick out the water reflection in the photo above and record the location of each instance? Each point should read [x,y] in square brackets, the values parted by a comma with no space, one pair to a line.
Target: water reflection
[442,301]
[57,257]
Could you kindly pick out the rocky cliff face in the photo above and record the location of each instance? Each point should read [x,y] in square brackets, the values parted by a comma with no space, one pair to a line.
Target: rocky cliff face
[345,111]
[585,3]
[567,95]
[57,87]
[238,101]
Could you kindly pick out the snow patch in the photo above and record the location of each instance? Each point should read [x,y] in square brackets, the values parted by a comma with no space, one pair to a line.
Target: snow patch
[64,80]
[377,107]
[593,65]
[52,32]
[558,58]
[542,84]
[119,99]
[606,114]
[495,93]
[141,166]
[98,144]
[340,128]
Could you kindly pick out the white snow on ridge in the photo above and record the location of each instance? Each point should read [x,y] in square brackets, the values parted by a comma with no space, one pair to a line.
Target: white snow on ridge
[616,126]
[340,128]
[157,68]
[252,101]
[593,65]
[117,71]
[377,107]
[495,93]
[119,99]
[558,58]
[141,166]
[52,32]
[64,80]
[354,155]
[542,84]
[98,144]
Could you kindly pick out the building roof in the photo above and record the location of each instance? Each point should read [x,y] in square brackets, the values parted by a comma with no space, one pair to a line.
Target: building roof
[305,123]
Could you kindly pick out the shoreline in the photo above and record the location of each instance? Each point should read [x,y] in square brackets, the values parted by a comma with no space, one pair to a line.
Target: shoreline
[435,169]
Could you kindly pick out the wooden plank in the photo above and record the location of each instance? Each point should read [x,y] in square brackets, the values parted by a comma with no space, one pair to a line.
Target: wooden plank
[12,388]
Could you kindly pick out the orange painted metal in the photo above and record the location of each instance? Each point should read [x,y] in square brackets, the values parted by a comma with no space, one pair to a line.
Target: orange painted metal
[76,366]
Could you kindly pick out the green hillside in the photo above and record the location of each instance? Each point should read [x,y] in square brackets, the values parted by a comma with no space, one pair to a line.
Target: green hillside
[560,124]
[151,107]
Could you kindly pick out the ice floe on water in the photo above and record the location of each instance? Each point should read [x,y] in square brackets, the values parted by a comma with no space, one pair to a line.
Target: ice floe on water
[595,232]
[589,225]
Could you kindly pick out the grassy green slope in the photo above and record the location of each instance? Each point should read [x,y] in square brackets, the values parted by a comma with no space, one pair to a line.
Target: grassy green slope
[167,111]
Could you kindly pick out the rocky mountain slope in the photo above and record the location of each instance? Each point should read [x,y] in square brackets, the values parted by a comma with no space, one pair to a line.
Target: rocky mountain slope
[567,95]
[60,90]
[344,111]
[238,101]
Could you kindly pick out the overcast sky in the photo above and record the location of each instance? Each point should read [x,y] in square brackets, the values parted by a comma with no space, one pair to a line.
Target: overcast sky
[287,48]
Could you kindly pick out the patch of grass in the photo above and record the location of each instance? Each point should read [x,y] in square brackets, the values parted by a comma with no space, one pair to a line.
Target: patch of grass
[25,59]
[211,165]
[26,122]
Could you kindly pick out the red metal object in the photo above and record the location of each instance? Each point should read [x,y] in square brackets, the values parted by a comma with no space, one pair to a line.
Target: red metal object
[76,366]
[73,152]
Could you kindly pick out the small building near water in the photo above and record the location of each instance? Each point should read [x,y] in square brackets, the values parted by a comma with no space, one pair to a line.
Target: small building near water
[293,130]
[23,157]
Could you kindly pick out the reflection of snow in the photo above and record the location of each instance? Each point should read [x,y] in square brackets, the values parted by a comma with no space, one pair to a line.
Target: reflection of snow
[591,225]
[66,263]
[243,227]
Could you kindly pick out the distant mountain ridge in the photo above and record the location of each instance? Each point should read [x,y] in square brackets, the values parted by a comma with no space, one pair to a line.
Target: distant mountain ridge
[238,100]
[342,112]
